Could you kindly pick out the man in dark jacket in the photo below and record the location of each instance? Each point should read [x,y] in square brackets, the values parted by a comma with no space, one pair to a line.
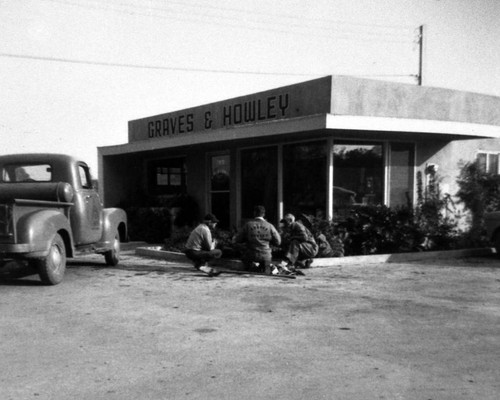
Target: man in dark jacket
[258,235]
[301,247]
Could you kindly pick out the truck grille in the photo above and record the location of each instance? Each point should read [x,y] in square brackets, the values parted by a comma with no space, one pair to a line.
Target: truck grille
[5,220]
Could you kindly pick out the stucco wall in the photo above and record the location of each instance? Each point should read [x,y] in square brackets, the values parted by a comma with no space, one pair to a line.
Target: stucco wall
[450,157]
[364,97]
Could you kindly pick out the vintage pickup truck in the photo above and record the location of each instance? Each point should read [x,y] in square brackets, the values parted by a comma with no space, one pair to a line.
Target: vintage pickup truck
[50,211]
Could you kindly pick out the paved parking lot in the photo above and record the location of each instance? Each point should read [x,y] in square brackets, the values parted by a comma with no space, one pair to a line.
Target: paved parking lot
[149,329]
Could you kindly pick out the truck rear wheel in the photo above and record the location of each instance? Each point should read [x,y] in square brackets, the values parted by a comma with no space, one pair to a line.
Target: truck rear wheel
[51,268]
[112,256]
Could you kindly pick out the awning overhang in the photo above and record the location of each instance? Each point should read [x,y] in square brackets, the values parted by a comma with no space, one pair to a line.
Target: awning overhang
[411,129]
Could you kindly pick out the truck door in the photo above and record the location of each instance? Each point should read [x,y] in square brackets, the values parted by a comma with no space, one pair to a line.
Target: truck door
[86,218]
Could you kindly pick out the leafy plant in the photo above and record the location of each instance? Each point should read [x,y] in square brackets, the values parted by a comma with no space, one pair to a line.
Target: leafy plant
[432,214]
[479,191]
[151,224]
[379,229]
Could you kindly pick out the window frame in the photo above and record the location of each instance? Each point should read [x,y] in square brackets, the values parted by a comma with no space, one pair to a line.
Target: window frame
[385,166]
[152,176]
[488,154]
[208,182]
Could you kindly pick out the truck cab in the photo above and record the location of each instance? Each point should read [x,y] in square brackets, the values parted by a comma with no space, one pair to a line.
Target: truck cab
[50,210]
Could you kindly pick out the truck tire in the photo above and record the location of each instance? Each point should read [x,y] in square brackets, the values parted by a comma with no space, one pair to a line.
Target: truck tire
[112,256]
[51,268]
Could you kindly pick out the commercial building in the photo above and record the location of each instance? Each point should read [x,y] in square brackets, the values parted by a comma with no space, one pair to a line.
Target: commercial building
[316,147]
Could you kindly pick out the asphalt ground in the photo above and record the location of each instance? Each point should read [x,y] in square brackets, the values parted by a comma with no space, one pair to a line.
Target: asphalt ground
[150,329]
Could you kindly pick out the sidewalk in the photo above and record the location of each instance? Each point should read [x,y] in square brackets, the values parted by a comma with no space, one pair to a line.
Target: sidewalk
[155,251]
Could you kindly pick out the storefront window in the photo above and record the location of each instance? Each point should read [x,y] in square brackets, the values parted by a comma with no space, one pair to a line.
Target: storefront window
[220,188]
[167,176]
[304,178]
[358,176]
[401,174]
[259,181]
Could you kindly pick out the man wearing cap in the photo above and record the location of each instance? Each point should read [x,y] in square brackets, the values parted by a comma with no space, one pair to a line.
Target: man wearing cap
[301,247]
[258,234]
[200,247]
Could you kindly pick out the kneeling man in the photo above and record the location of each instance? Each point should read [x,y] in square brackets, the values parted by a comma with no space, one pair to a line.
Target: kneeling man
[258,235]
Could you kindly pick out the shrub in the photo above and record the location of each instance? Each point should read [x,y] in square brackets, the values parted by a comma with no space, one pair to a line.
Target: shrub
[161,217]
[479,192]
[380,230]
[151,224]
[432,214]
[177,240]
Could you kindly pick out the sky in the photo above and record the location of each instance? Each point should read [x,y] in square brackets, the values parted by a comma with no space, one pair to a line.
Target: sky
[74,72]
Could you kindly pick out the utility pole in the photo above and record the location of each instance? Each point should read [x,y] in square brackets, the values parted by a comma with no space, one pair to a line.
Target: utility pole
[420,54]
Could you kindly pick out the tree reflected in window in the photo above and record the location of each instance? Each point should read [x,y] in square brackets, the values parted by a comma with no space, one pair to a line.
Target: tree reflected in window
[358,177]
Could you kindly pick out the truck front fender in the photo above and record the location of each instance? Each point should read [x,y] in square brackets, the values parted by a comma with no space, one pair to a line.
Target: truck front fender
[114,221]
[37,230]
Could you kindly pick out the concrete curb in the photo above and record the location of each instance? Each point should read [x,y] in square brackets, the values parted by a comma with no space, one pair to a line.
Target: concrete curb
[157,252]
[131,246]
[403,257]
[171,256]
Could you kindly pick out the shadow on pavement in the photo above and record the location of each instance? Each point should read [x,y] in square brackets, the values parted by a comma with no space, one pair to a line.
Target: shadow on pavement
[142,268]
[20,282]
[15,274]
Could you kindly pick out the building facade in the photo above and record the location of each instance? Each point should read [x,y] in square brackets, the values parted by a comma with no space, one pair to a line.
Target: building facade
[317,147]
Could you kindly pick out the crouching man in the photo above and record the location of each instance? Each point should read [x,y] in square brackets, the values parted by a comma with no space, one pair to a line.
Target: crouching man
[258,234]
[301,247]
[200,246]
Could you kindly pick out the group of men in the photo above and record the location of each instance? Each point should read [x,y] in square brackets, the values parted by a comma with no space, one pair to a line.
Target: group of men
[257,235]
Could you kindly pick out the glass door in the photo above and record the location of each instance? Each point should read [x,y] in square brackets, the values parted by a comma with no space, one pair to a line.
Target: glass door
[220,168]
[401,174]
[259,181]
[304,178]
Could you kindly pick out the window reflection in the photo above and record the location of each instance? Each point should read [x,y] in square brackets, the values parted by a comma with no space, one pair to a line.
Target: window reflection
[304,178]
[358,177]
[259,180]
[401,174]
[220,173]
[220,194]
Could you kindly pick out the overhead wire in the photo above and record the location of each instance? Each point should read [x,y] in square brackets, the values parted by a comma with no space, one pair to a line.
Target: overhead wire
[145,66]
[301,18]
[131,9]
[184,69]
[225,21]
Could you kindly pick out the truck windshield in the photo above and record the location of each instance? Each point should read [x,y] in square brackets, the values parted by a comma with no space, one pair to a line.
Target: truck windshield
[26,173]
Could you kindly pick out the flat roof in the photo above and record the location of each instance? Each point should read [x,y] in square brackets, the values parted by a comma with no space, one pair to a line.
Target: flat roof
[328,103]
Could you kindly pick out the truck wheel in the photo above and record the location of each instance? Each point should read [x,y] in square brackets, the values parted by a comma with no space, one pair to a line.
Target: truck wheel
[51,268]
[112,256]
